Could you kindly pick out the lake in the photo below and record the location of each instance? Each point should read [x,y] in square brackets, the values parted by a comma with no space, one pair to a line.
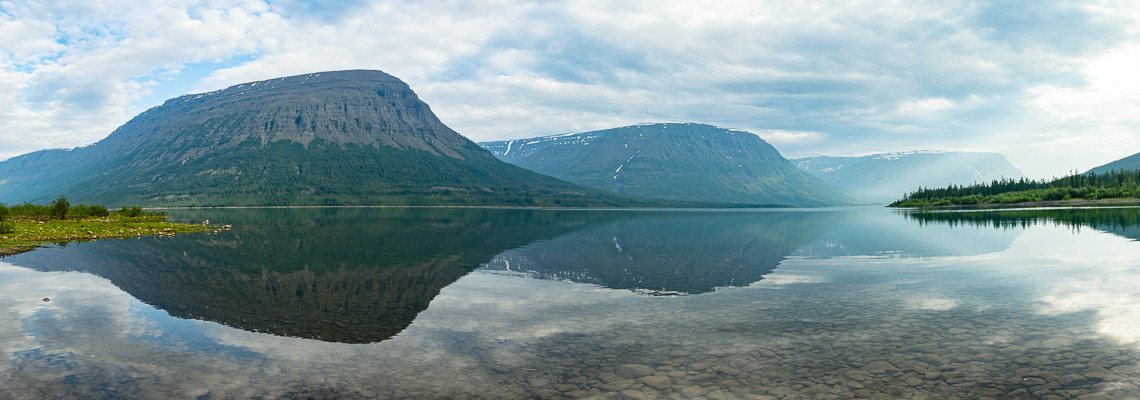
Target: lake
[502,303]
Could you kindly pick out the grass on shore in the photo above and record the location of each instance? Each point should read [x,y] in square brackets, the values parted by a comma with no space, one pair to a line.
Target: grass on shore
[26,234]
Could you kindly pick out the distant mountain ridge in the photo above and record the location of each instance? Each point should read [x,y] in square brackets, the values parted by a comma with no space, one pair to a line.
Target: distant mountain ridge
[1131,162]
[886,177]
[332,138]
[677,161]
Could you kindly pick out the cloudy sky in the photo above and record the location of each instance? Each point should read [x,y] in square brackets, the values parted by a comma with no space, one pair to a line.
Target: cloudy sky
[1053,85]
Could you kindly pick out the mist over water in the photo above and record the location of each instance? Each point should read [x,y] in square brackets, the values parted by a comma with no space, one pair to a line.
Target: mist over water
[382,303]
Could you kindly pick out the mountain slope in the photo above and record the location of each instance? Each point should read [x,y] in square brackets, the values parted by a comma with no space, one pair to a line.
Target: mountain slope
[889,176]
[1131,162]
[348,137]
[677,161]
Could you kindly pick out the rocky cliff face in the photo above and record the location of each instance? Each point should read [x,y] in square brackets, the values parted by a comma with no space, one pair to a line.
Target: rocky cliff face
[365,108]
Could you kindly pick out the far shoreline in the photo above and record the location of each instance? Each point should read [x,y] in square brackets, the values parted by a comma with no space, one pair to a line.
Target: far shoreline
[740,207]
[1031,204]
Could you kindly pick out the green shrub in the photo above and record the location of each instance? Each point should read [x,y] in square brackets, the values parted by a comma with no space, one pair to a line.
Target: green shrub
[60,207]
[84,211]
[132,212]
[99,211]
[5,226]
[29,210]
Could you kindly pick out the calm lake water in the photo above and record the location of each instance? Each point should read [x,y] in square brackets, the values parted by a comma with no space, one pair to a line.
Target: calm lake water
[475,303]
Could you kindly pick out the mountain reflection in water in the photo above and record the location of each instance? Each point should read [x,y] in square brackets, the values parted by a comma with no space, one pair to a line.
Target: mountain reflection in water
[670,253]
[861,303]
[363,275]
[341,275]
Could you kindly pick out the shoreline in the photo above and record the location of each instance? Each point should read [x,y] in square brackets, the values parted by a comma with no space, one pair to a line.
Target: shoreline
[1034,204]
[30,234]
[713,207]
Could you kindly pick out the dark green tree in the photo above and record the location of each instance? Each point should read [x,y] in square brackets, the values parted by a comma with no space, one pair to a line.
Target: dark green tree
[59,208]
[132,211]
[5,226]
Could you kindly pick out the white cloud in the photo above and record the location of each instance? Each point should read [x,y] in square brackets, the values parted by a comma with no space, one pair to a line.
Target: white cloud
[75,70]
[1106,110]
[778,279]
[1089,272]
[779,137]
[868,76]
[926,105]
[75,297]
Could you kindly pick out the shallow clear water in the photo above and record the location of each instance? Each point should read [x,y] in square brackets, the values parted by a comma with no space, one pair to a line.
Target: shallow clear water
[382,303]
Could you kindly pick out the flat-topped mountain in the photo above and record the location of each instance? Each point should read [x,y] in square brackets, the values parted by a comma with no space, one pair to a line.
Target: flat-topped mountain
[332,138]
[676,161]
[887,177]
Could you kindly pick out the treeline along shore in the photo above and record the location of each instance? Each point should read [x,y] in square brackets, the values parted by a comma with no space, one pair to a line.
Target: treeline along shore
[1110,187]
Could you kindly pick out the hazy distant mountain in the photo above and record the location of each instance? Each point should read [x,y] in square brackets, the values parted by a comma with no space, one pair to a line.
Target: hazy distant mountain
[679,161]
[889,176]
[1131,162]
[347,137]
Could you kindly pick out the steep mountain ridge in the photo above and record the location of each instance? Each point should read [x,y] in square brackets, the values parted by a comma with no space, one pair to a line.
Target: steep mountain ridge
[886,177]
[346,137]
[677,161]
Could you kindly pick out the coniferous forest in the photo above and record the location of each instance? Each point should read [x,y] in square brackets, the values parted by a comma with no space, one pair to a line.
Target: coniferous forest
[1118,184]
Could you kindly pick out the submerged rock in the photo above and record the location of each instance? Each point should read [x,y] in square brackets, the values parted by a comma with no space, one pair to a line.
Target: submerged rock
[633,370]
